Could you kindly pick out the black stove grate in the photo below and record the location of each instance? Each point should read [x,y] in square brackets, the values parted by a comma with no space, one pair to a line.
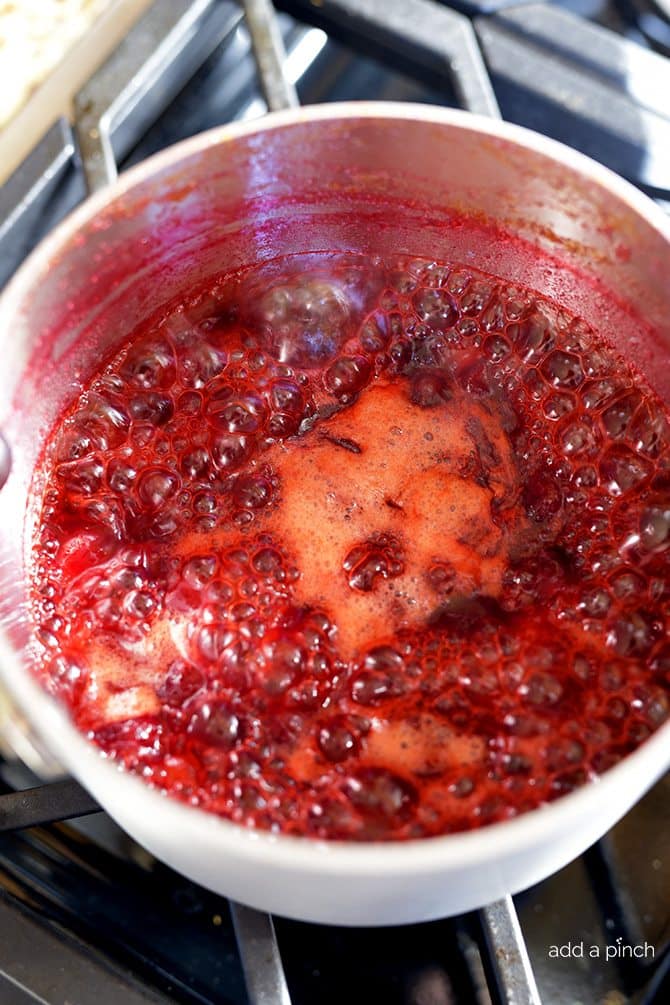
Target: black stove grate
[89,916]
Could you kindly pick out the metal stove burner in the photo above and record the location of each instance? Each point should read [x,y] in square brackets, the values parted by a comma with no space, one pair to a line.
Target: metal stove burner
[86,915]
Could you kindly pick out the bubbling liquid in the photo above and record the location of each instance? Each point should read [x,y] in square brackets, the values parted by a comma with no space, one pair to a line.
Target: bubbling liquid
[359,549]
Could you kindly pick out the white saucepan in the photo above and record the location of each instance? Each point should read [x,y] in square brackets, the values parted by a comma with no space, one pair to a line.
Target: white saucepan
[376,178]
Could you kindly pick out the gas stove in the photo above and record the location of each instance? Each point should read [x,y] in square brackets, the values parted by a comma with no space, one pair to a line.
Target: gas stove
[88,916]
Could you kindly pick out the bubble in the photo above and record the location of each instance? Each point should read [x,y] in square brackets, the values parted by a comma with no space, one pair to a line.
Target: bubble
[376,332]
[252,492]
[149,364]
[230,451]
[578,439]
[289,407]
[129,577]
[563,369]
[286,396]
[104,512]
[241,416]
[306,321]
[596,604]
[152,407]
[282,425]
[593,394]
[330,817]
[347,376]
[268,560]
[633,634]
[196,463]
[496,348]
[214,642]
[564,752]
[336,741]
[106,424]
[73,444]
[493,319]
[655,705]
[436,308]
[586,477]
[199,363]
[534,384]
[648,430]
[380,557]
[542,689]
[616,417]
[83,477]
[382,677]
[655,527]
[139,604]
[480,680]
[189,403]
[467,327]
[442,577]
[285,660]
[628,584]
[200,570]
[621,469]
[66,678]
[204,503]
[558,405]
[120,476]
[578,336]
[142,434]
[156,486]
[616,709]
[532,337]
[476,296]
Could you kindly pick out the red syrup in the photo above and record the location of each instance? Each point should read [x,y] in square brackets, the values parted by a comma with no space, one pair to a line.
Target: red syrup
[359,549]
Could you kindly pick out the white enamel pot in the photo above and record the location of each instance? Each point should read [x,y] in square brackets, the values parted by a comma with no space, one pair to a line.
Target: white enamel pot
[376,178]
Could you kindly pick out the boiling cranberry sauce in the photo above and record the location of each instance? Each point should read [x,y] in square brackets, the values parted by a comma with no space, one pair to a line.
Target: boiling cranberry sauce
[359,549]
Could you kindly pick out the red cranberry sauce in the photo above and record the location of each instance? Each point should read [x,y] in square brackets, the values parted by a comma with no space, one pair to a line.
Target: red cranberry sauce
[359,549]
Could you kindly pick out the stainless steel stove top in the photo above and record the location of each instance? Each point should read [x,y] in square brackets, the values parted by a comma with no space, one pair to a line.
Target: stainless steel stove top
[88,917]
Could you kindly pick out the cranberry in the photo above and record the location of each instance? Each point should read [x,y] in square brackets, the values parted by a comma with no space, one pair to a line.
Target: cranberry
[336,740]
[218,724]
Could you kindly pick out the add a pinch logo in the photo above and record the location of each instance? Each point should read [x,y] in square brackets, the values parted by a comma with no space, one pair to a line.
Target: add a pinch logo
[615,951]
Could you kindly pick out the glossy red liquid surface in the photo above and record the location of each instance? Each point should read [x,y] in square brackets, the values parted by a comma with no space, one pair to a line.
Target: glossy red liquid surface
[359,549]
